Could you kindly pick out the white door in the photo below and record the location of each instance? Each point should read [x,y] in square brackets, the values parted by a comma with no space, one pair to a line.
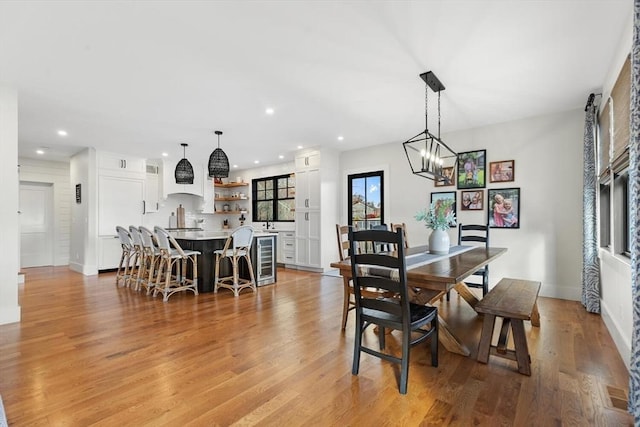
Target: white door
[36,224]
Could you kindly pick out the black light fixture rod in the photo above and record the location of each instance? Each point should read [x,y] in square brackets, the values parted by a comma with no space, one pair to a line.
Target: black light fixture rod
[218,132]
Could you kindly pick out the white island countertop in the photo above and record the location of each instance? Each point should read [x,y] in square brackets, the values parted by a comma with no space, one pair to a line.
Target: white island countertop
[212,235]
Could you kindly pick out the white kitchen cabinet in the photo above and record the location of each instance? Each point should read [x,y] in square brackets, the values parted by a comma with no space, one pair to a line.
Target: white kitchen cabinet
[109,252]
[169,185]
[316,209]
[120,202]
[286,247]
[121,164]
[152,193]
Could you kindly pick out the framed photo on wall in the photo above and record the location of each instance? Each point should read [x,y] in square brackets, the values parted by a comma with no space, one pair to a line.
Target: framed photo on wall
[449,197]
[503,207]
[472,169]
[472,200]
[450,174]
[502,171]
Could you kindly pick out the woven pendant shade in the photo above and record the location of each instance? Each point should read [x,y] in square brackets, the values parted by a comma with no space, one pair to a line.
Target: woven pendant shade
[218,161]
[184,170]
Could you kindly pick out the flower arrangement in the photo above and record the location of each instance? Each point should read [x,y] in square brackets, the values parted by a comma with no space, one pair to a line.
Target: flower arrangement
[439,216]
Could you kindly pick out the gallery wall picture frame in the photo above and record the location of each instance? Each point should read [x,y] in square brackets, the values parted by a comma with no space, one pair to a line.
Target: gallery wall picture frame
[472,200]
[472,169]
[502,171]
[449,172]
[504,207]
[446,195]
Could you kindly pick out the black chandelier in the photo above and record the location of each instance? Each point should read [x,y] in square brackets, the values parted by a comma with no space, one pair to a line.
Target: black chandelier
[218,161]
[428,156]
[184,170]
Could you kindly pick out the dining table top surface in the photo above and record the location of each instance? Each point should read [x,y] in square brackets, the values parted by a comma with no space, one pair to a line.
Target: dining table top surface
[446,270]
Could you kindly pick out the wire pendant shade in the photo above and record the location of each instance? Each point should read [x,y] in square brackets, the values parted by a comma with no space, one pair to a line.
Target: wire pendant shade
[427,154]
[218,161]
[184,170]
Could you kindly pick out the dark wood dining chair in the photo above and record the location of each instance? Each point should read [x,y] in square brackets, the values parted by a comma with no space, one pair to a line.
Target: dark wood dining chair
[480,235]
[387,271]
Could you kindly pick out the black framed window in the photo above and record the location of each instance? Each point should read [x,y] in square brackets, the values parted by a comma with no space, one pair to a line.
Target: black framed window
[274,198]
[366,199]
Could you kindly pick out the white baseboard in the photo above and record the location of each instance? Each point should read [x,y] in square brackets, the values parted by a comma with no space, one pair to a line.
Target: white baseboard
[570,293]
[9,314]
[622,344]
[87,270]
[20,278]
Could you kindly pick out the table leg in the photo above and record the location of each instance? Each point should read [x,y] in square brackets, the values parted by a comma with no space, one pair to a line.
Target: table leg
[535,315]
[445,335]
[466,294]
[345,305]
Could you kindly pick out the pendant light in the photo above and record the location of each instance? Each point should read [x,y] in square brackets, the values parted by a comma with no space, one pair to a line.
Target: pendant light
[428,155]
[184,170]
[218,161]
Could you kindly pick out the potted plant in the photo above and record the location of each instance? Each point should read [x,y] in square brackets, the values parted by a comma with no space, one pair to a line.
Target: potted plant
[439,217]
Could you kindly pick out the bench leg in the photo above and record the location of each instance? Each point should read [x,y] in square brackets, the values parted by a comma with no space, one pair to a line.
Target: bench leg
[522,349]
[485,338]
[535,315]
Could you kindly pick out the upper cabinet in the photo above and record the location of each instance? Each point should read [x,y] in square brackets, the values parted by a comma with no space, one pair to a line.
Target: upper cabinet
[169,185]
[152,189]
[122,165]
[309,160]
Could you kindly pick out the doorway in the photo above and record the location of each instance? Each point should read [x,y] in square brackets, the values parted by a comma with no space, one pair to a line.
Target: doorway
[36,224]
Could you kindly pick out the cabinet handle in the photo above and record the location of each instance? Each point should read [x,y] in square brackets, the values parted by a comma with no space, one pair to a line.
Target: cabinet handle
[306,216]
[125,164]
[306,203]
[144,207]
[157,206]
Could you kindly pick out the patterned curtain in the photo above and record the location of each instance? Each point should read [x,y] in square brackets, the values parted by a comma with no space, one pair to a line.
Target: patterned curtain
[590,262]
[634,188]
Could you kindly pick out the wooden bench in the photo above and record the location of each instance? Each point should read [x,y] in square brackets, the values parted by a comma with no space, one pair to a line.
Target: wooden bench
[515,301]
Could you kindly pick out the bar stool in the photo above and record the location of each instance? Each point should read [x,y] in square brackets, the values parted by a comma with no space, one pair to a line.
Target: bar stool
[151,257]
[137,256]
[237,246]
[125,259]
[170,258]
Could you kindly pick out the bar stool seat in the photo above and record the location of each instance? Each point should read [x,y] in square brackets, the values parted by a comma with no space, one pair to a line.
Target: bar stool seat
[237,246]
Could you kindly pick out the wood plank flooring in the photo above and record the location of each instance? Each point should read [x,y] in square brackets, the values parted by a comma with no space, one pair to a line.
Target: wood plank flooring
[90,353]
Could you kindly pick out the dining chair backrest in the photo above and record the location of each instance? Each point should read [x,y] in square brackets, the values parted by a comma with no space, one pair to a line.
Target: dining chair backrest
[473,233]
[136,237]
[380,246]
[124,236]
[344,247]
[242,237]
[147,237]
[403,227]
[390,272]
[166,241]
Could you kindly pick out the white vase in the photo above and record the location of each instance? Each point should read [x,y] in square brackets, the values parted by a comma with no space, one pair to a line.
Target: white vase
[439,242]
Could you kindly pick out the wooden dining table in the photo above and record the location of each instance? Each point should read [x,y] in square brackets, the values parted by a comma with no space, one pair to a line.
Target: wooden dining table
[438,277]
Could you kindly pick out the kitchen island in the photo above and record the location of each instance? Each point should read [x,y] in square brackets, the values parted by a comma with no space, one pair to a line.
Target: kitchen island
[263,256]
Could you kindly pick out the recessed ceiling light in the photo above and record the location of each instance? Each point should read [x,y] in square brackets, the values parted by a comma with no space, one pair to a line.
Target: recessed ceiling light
[299,147]
[269,111]
[235,166]
[62,132]
[281,156]
[256,161]
[340,138]
[165,154]
[40,151]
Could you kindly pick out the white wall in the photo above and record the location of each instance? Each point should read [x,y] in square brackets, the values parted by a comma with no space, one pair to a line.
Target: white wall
[10,261]
[84,215]
[57,174]
[548,168]
[615,270]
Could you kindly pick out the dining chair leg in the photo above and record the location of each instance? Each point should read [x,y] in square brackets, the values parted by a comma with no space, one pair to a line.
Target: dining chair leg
[357,342]
[404,363]
[345,302]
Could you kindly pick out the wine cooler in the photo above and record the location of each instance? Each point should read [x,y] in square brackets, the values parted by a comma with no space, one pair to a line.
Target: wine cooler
[264,258]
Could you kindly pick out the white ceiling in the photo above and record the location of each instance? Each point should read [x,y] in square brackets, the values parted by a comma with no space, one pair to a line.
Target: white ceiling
[141,77]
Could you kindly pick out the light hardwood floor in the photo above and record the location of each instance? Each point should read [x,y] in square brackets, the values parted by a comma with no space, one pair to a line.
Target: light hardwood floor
[89,353]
